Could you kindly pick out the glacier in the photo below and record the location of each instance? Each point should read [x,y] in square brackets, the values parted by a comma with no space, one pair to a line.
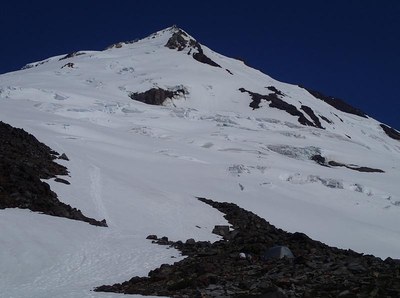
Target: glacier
[142,166]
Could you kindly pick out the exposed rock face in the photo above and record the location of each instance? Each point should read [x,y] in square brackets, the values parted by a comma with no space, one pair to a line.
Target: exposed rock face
[177,41]
[394,134]
[221,230]
[323,162]
[276,102]
[276,91]
[69,64]
[326,119]
[355,167]
[119,45]
[71,55]
[64,157]
[235,267]
[337,103]
[201,57]
[156,96]
[180,41]
[23,162]
[311,114]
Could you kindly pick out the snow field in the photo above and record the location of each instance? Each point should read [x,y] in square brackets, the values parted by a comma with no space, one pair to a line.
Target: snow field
[140,167]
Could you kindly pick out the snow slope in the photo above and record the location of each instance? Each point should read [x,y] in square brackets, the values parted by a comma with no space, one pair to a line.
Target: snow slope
[141,166]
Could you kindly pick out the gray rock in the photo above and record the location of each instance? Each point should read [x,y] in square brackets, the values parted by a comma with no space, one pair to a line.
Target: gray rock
[221,230]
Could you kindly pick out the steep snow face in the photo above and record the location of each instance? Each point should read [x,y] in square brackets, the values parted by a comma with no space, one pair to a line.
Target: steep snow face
[231,133]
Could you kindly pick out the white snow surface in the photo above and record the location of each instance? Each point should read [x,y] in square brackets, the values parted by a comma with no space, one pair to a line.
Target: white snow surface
[141,167]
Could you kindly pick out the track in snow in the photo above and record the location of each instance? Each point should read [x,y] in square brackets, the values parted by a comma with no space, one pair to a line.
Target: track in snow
[96,193]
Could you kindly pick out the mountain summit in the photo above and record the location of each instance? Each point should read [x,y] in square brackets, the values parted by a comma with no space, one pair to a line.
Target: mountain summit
[151,124]
[171,64]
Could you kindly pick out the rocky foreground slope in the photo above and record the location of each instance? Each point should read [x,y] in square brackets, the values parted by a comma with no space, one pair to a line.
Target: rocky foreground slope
[236,266]
[23,162]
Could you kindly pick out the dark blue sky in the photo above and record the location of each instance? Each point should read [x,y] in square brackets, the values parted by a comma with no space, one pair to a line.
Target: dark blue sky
[345,48]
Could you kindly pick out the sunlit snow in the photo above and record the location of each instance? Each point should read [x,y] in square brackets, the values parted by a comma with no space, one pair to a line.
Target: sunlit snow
[140,167]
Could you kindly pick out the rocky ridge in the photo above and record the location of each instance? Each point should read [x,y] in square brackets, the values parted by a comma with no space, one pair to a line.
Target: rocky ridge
[276,102]
[391,132]
[337,103]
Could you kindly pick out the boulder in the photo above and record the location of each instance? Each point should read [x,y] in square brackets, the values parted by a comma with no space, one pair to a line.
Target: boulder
[221,230]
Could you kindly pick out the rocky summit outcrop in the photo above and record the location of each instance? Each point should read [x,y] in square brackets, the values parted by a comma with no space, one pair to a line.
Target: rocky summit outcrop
[180,41]
[23,162]
[238,266]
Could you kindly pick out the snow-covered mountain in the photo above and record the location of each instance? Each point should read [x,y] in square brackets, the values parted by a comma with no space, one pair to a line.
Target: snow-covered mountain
[148,125]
